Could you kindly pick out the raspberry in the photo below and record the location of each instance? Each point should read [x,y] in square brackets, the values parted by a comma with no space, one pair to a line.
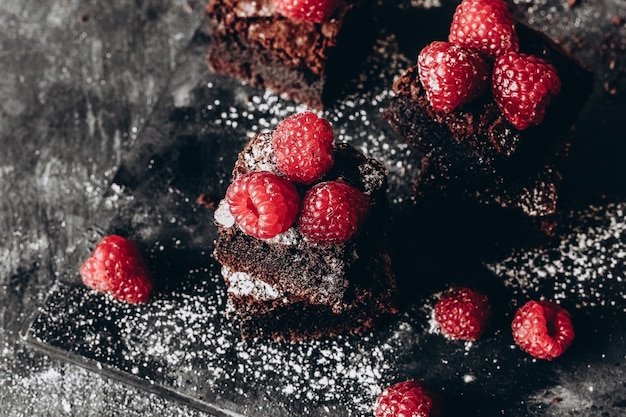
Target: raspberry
[314,11]
[116,267]
[543,329]
[523,85]
[463,314]
[263,204]
[303,146]
[408,398]
[332,212]
[451,75]
[485,26]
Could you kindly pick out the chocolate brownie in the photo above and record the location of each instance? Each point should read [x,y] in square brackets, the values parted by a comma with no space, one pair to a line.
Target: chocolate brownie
[475,155]
[307,62]
[288,287]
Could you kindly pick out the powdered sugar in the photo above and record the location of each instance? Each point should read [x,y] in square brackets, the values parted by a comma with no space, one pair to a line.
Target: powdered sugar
[589,258]
[241,284]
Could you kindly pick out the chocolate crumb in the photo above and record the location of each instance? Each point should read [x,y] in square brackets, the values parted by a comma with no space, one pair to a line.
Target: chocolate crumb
[610,88]
[578,41]
[206,201]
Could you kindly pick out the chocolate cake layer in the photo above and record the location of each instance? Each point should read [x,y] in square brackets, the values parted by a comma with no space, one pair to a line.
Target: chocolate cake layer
[307,62]
[262,311]
[475,153]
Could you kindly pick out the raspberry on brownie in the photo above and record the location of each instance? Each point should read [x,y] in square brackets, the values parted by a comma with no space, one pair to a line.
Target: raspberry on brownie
[303,145]
[330,272]
[263,203]
[500,146]
[302,49]
[332,212]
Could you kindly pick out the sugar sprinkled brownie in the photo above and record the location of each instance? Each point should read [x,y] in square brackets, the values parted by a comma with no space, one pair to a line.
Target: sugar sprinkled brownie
[326,269]
[304,54]
[481,144]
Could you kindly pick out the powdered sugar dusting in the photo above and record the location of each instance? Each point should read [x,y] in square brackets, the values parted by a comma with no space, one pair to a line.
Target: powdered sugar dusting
[242,284]
[223,216]
[579,266]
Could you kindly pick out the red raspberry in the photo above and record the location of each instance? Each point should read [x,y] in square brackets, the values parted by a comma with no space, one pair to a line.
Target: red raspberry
[303,146]
[485,26]
[315,11]
[523,85]
[263,204]
[332,212]
[408,398]
[543,329]
[451,75]
[463,314]
[116,267]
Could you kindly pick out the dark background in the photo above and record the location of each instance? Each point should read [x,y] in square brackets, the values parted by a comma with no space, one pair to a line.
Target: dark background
[79,80]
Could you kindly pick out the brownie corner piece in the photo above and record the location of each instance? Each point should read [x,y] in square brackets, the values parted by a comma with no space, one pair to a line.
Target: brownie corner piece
[305,62]
[473,154]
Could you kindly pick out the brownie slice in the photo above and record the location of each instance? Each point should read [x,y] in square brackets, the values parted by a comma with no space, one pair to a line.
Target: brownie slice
[307,62]
[475,155]
[291,288]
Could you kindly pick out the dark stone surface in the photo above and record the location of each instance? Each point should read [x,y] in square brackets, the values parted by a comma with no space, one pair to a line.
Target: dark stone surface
[78,80]
[95,93]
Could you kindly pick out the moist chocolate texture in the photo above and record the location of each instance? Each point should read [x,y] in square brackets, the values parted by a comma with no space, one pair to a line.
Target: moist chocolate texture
[306,62]
[474,155]
[291,288]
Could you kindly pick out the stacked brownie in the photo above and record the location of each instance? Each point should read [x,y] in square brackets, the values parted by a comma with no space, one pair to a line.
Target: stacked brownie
[303,60]
[291,288]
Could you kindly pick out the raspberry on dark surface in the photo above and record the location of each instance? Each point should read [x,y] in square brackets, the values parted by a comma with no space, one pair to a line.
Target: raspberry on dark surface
[263,203]
[523,86]
[315,11]
[451,75]
[463,314]
[485,26]
[116,267]
[543,329]
[404,399]
[303,145]
[332,212]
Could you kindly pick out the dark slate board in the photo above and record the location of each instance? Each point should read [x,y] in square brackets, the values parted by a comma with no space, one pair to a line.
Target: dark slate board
[182,345]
